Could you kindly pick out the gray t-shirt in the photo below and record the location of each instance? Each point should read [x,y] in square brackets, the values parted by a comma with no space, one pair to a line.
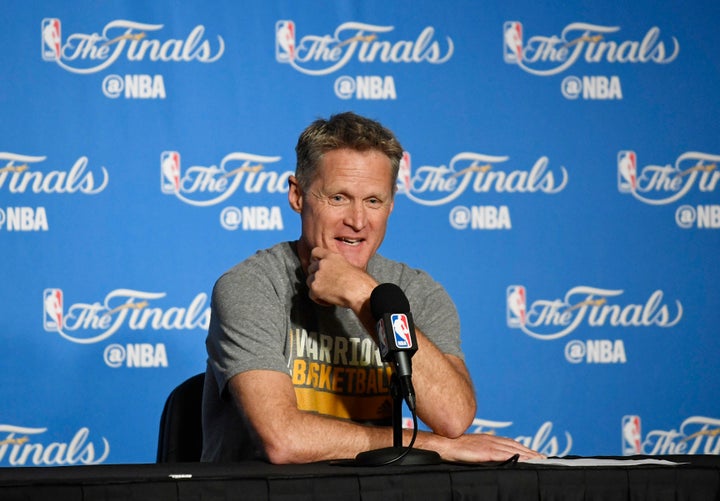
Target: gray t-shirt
[263,318]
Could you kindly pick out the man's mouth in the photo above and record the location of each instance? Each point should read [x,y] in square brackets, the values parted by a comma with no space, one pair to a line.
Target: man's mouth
[350,241]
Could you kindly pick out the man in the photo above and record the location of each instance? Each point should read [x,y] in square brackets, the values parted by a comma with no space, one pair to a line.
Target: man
[294,374]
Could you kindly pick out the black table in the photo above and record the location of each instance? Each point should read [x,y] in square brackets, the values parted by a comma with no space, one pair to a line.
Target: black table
[699,480]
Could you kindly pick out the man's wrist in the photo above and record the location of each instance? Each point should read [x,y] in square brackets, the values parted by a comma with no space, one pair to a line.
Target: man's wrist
[361,304]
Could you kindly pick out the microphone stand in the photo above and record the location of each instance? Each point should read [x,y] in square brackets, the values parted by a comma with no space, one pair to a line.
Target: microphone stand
[397,454]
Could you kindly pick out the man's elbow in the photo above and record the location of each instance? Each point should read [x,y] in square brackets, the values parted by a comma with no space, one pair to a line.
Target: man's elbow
[454,424]
[279,455]
[283,450]
[453,428]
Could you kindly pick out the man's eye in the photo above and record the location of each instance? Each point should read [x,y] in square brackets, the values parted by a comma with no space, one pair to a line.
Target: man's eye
[337,199]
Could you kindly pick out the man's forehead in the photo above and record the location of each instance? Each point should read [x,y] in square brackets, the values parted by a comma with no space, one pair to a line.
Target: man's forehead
[349,185]
[341,167]
[370,154]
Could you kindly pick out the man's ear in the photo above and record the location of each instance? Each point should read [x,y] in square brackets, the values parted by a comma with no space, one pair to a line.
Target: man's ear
[295,195]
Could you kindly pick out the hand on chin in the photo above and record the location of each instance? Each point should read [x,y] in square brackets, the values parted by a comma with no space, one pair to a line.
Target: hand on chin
[336,277]
[354,253]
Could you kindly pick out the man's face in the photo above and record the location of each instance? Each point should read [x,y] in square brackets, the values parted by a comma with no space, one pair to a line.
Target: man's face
[346,207]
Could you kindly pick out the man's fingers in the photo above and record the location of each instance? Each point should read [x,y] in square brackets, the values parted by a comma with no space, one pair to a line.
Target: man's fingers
[508,447]
[313,267]
[318,253]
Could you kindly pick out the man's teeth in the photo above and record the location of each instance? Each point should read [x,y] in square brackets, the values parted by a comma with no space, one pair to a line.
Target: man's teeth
[349,241]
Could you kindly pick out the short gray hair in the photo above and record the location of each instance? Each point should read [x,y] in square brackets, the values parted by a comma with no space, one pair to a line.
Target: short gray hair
[343,130]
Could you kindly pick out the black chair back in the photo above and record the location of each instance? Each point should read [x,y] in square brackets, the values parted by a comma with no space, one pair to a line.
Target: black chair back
[180,438]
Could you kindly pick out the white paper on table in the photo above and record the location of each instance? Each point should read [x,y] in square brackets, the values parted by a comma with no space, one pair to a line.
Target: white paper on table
[601,462]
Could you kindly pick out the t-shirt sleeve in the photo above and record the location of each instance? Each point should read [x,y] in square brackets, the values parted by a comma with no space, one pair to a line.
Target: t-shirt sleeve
[433,310]
[247,325]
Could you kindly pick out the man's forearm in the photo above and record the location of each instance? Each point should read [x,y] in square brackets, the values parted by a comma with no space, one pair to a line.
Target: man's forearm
[445,395]
[290,435]
[311,438]
[444,391]
[324,439]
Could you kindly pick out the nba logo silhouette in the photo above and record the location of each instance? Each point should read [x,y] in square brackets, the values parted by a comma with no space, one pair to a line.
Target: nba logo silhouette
[512,41]
[516,306]
[52,309]
[170,172]
[50,32]
[284,41]
[404,177]
[627,171]
[631,438]
[401,330]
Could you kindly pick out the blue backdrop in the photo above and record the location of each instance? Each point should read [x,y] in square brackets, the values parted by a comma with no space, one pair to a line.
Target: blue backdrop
[561,181]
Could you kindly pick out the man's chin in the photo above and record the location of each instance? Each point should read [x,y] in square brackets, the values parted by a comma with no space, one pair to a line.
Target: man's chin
[357,258]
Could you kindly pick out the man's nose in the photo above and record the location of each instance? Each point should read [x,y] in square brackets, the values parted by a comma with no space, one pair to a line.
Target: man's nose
[356,216]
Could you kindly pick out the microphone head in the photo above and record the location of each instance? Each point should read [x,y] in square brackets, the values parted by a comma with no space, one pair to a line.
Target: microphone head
[388,298]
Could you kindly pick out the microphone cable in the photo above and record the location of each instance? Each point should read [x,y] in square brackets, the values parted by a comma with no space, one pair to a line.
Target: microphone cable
[407,450]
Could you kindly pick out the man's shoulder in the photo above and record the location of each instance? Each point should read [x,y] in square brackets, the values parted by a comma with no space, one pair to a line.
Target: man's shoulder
[388,270]
[277,261]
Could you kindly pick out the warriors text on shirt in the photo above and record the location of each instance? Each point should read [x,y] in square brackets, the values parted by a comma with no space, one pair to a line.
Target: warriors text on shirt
[339,376]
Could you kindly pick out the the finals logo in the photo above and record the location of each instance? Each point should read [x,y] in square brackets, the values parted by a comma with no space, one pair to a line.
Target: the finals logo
[434,185]
[20,174]
[89,323]
[324,54]
[548,55]
[695,435]
[207,185]
[87,53]
[550,319]
[665,184]
[478,173]
[364,43]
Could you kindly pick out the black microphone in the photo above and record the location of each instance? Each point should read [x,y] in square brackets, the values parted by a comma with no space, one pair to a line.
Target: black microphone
[396,334]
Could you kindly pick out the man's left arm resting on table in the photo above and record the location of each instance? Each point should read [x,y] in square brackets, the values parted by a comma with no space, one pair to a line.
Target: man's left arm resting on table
[445,395]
